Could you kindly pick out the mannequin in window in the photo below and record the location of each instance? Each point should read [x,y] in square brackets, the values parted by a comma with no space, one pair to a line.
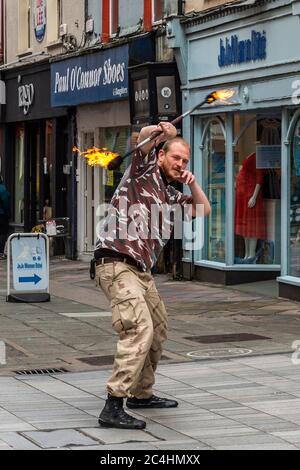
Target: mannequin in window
[250,220]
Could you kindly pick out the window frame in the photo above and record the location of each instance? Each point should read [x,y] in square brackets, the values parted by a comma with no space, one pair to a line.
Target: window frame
[113,17]
[153,7]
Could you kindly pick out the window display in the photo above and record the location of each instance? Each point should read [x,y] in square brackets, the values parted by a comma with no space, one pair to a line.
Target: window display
[214,171]
[119,141]
[250,218]
[257,189]
[294,250]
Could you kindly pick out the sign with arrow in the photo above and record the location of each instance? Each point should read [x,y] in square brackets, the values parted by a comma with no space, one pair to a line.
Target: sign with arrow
[36,279]
[29,263]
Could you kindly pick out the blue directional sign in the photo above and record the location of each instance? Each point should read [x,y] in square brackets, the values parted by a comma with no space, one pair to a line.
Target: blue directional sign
[36,279]
[29,262]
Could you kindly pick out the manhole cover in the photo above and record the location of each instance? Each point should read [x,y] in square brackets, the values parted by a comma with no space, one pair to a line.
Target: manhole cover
[227,338]
[219,353]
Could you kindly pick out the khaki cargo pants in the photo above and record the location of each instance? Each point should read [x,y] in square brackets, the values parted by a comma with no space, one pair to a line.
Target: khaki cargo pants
[140,319]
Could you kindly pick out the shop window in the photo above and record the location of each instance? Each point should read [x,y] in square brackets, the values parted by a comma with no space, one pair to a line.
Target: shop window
[214,185]
[294,251]
[257,159]
[19,175]
[118,140]
[48,172]
[24,26]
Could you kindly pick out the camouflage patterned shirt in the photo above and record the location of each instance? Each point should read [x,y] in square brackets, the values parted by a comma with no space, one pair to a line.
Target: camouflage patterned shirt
[142,212]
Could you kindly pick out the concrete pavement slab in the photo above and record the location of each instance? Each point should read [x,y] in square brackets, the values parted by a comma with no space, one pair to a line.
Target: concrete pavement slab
[257,447]
[16,441]
[184,445]
[58,439]
[113,436]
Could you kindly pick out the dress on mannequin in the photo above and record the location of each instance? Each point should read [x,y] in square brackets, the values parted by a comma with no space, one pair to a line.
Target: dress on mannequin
[250,219]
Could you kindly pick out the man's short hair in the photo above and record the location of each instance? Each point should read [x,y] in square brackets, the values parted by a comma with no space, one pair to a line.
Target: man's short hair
[177,139]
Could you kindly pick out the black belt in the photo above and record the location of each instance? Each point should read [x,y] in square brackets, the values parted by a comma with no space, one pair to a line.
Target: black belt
[111,259]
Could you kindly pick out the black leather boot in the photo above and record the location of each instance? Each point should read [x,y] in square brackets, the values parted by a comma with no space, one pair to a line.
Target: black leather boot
[114,416]
[152,402]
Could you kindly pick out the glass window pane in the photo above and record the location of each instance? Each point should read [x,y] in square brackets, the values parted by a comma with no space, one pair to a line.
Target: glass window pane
[157,9]
[214,177]
[294,252]
[19,176]
[117,140]
[114,16]
[257,189]
[48,171]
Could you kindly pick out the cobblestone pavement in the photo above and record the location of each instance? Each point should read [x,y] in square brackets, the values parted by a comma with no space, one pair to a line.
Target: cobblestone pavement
[229,361]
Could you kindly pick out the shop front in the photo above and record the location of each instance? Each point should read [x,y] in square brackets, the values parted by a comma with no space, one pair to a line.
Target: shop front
[35,146]
[97,83]
[245,151]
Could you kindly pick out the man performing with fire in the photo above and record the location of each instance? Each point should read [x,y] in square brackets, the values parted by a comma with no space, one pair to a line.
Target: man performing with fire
[130,240]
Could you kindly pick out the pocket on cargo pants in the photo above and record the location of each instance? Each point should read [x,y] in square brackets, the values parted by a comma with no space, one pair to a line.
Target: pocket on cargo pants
[125,313]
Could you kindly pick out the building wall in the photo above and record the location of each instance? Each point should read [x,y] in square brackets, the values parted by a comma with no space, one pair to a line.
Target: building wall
[95,12]
[73,14]
[199,5]
[90,116]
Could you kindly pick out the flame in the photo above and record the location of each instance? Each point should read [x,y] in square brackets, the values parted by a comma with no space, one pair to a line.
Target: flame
[97,157]
[221,95]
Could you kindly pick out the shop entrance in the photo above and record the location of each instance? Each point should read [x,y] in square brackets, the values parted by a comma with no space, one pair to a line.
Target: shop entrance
[32,188]
[40,185]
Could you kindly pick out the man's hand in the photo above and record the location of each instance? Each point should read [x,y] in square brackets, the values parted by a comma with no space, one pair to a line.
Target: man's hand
[168,132]
[186,177]
[199,197]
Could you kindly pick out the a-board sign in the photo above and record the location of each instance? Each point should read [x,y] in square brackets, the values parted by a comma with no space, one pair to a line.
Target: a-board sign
[28,268]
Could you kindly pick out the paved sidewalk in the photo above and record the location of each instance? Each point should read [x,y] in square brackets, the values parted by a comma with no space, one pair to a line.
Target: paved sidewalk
[240,403]
[228,361]
[74,332]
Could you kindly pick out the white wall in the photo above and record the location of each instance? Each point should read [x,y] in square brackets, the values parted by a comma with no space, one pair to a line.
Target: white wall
[73,15]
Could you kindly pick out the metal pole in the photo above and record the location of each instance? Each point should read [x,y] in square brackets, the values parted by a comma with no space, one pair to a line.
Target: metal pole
[114,164]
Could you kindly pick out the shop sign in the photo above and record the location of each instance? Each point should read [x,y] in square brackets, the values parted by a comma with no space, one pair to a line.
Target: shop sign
[233,51]
[268,156]
[91,78]
[141,97]
[39,17]
[26,96]
[166,95]
[29,262]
